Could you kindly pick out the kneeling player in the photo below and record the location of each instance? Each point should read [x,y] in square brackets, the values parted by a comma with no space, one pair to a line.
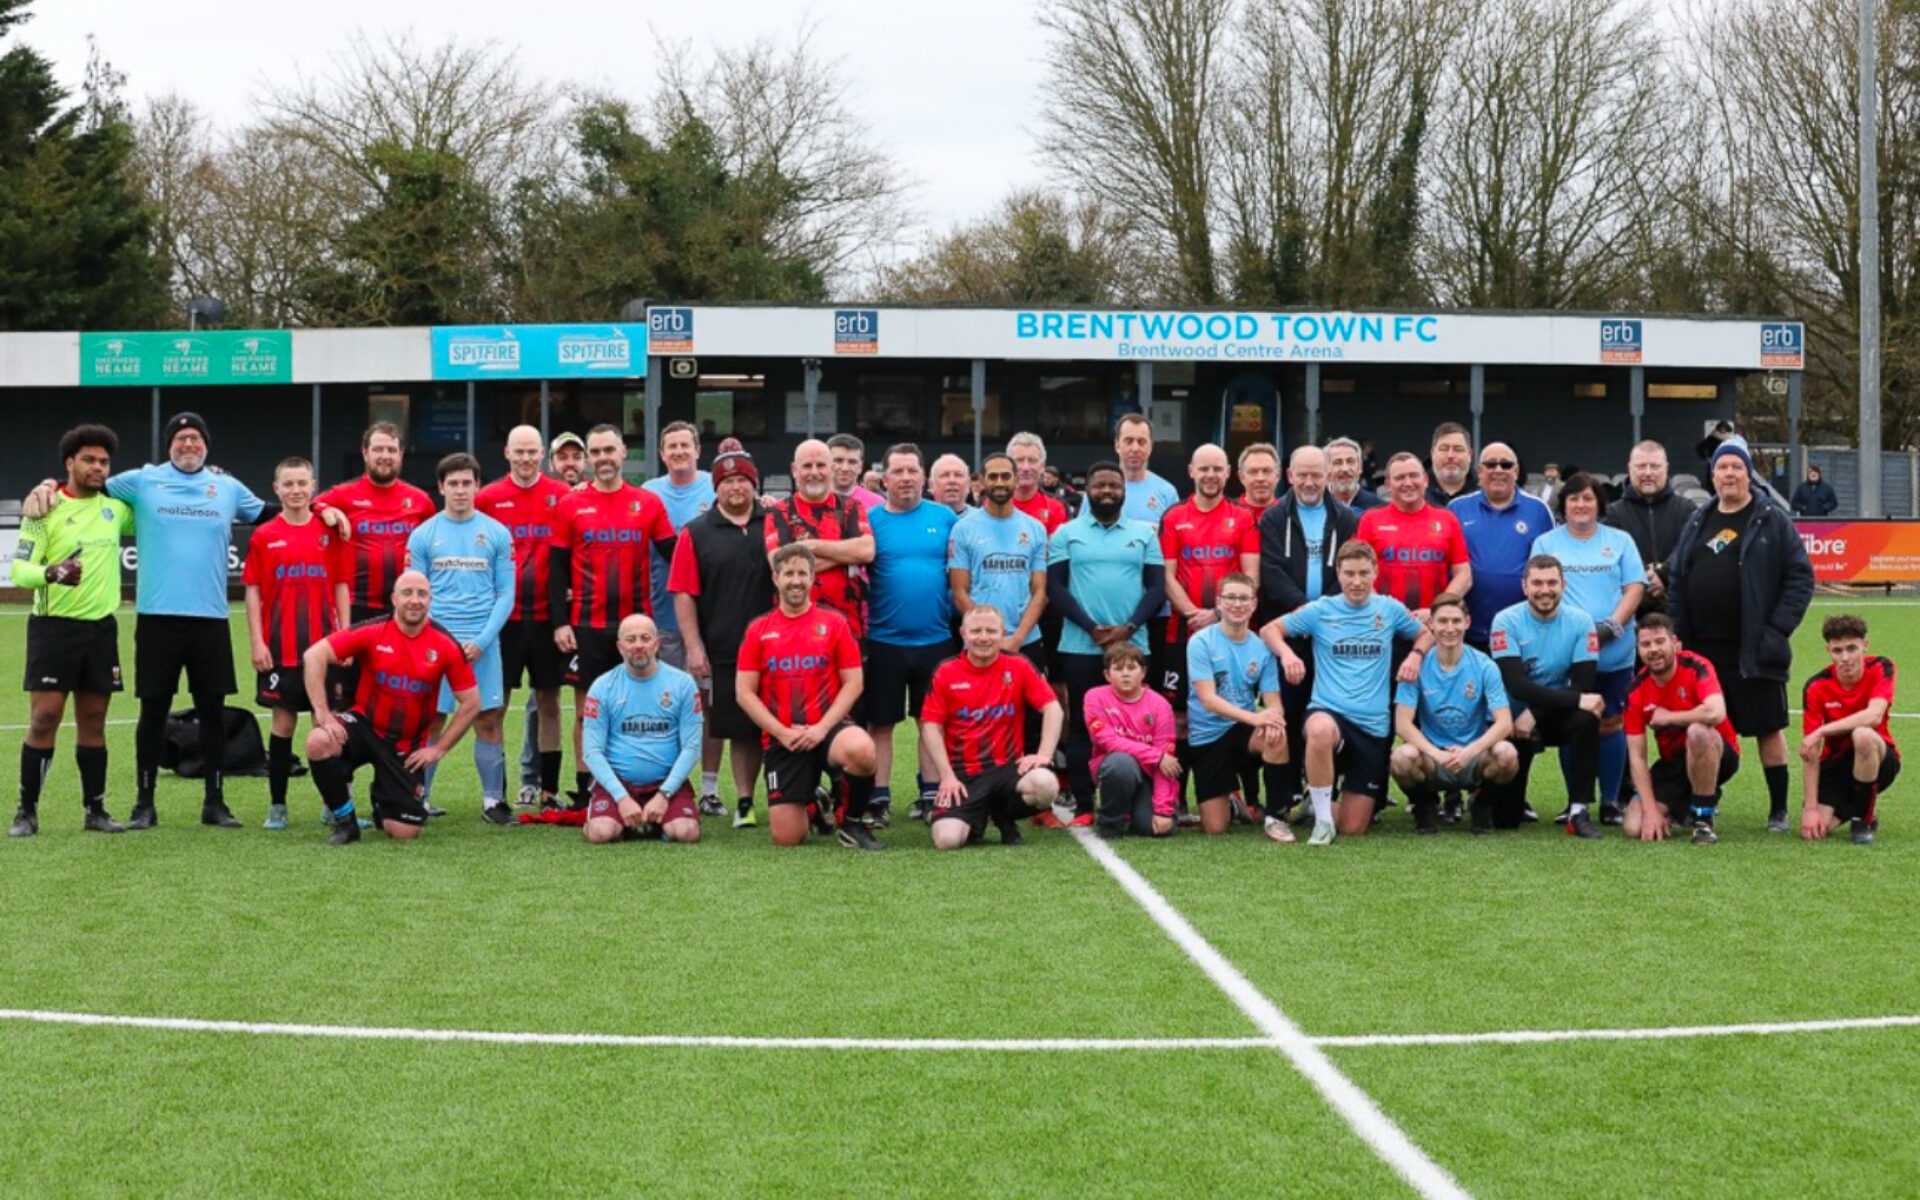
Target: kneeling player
[801,662]
[402,661]
[1678,697]
[1228,673]
[297,577]
[1453,723]
[1848,751]
[640,736]
[1133,734]
[1347,732]
[976,708]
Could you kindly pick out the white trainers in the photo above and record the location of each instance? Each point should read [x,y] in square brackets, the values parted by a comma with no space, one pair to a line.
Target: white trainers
[530,796]
[1277,830]
[1323,834]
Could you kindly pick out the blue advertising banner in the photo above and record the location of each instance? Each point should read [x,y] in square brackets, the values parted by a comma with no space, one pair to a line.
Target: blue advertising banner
[539,352]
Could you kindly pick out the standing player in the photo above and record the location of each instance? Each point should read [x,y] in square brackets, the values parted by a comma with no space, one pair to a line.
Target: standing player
[1148,496]
[526,501]
[798,680]
[1453,723]
[1258,469]
[947,483]
[404,659]
[604,539]
[1605,580]
[297,593]
[642,737]
[1546,651]
[70,560]
[911,613]
[1421,549]
[1229,672]
[1847,748]
[468,560]
[847,456]
[383,510]
[1452,457]
[1344,482]
[833,527]
[1029,455]
[976,713]
[1353,636]
[687,491]
[720,582]
[1678,697]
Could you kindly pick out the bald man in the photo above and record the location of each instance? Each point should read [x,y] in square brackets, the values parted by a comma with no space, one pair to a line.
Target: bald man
[403,660]
[524,501]
[833,527]
[641,737]
[1500,523]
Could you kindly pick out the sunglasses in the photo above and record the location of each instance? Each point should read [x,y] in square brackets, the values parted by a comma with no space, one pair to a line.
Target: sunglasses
[1499,464]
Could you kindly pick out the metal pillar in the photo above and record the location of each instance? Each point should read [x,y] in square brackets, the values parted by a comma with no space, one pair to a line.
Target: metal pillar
[546,414]
[316,431]
[1477,399]
[812,386]
[1313,404]
[979,407]
[1637,398]
[469,416]
[1796,454]
[155,456]
[1143,383]
[654,389]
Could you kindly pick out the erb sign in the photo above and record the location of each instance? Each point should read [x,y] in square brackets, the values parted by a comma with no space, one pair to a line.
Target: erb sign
[670,331]
[1783,344]
[856,331]
[1621,341]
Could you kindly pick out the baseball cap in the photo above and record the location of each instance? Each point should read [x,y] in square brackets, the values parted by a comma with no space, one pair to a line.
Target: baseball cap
[566,439]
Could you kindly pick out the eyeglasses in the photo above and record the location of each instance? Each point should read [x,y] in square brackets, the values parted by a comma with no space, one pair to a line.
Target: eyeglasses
[1236,599]
[1499,464]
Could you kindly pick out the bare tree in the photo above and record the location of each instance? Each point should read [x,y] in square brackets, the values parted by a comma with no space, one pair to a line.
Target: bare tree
[1037,248]
[1130,118]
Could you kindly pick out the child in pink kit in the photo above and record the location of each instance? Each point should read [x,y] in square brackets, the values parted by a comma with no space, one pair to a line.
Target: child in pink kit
[1132,762]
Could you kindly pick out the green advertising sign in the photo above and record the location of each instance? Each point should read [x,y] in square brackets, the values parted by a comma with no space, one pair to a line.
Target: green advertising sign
[177,358]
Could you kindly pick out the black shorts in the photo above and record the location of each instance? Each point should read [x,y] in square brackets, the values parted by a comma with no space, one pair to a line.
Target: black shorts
[793,777]
[1755,706]
[1036,652]
[526,648]
[991,795]
[1673,791]
[165,646]
[396,792]
[1167,664]
[69,655]
[726,720]
[1836,776]
[1360,759]
[595,652]
[898,676]
[1217,765]
[286,688]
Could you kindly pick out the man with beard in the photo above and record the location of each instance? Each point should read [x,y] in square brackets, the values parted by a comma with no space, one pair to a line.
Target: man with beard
[912,617]
[1344,482]
[1452,457]
[976,713]
[1546,651]
[948,483]
[1106,575]
[1299,537]
[405,658]
[721,581]
[1653,514]
[832,527]
[384,511]
[71,564]
[604,539]
[799,678]
[1259,472]
[566,465]
[1740,584]
[1677,696]
[524,501]
[642,739]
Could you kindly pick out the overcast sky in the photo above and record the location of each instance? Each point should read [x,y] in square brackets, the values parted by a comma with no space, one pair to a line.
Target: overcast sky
[948,89]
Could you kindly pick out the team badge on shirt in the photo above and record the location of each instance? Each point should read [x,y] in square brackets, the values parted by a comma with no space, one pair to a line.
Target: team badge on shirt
[212,491]
[1519,526]
[1470,691]
[1023,539]
[1378,621]
[666,700]
[433,656]
[1498,641]
[591,709]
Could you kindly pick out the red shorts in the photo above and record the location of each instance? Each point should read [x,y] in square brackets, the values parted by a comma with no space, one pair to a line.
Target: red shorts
[602,807]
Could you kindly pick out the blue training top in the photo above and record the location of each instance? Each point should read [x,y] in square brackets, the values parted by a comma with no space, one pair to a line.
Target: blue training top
[1000,555]
[470,567]
[183,528]
[908,602]
[642,732]
[1598,570]
[683,505]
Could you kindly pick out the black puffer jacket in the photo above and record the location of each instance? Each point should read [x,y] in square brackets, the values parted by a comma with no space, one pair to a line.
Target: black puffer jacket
[1776,585]
[1654,523]
[1283,553]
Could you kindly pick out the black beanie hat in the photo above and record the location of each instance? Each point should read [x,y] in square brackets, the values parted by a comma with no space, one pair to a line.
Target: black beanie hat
[185,420]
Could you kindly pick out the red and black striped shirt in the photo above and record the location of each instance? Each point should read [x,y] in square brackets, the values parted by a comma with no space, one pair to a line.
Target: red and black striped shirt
[528,514]
[296,568]
[840,518]
[383,518]
[399,689]
[982,710]
[799,660]
[609,537]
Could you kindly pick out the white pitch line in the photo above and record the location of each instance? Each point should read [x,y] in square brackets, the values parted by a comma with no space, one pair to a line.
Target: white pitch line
[1387,1139]
[1522,1037]
[502,1037]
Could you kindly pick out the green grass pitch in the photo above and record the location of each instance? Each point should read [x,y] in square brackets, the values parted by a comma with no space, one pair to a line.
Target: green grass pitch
[527,930]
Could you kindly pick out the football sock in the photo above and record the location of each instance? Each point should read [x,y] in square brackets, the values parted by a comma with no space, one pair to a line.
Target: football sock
[149,737]
[859,796]
[1861,792]
[212,719]
[1613,763]
[34,765]
[549,772]
[709,783]
[1322,801]
[490,760]
[92,761]
[1703,808]
[583,783]
[332,778]
[279,767]
[1776,790]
